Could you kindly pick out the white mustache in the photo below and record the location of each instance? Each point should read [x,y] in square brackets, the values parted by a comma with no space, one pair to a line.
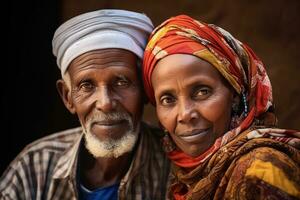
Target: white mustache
[100,117]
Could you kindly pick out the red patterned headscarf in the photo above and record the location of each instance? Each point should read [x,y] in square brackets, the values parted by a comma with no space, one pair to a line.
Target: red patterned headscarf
[234,60]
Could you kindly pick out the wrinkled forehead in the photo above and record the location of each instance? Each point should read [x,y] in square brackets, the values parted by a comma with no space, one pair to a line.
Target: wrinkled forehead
[105,59]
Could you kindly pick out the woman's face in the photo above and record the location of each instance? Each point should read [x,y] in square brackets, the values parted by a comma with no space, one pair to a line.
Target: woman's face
[193,101]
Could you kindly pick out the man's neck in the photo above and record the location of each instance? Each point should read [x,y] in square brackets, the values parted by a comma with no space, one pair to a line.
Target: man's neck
[102,172]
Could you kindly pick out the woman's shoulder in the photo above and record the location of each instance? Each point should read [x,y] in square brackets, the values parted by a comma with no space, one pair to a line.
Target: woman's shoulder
[265,171]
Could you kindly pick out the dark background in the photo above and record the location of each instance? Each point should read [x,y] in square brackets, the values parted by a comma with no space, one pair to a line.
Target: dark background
[31,107]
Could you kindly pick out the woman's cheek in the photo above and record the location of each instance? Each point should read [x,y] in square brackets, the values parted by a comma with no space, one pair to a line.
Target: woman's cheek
[166,117]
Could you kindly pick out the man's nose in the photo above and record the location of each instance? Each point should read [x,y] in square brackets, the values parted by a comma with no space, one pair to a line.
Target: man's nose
[105,101]
[187,111]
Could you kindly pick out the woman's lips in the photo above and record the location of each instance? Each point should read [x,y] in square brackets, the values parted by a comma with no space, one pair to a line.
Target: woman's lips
[193,135]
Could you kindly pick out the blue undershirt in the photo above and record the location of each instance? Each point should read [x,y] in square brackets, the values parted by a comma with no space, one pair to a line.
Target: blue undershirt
[105,193]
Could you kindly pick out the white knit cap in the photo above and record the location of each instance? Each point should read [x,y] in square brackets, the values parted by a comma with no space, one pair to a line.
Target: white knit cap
[101,29]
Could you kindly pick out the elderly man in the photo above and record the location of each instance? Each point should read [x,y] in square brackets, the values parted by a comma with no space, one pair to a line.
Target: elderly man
[113,155]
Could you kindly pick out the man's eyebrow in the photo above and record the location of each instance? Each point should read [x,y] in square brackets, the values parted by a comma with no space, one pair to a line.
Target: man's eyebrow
[121,76]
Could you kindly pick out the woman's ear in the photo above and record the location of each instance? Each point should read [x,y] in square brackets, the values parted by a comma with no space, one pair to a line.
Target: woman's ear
[236,104]
[65,95]
[236,99]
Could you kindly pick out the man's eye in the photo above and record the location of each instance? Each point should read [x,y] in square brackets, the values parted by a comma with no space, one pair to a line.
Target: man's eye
[85,86]
[122,83]
[167,100]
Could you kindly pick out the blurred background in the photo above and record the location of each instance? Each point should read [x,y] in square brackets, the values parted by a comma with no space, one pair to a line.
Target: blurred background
[31,106]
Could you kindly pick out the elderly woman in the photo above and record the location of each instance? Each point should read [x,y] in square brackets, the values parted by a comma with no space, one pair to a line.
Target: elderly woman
[214,99]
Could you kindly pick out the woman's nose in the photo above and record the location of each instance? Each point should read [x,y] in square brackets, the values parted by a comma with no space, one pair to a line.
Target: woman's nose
[187,112]
[105,102]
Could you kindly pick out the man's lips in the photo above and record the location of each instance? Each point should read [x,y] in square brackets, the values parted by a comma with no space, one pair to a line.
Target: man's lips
[109,123]
[193,135]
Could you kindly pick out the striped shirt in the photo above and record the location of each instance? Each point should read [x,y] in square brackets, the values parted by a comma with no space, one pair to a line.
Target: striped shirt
[46,169]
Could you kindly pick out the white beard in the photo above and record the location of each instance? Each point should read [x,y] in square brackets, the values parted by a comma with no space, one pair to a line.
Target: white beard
[111,147]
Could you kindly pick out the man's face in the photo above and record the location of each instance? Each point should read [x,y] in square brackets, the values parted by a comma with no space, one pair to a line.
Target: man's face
[106,95]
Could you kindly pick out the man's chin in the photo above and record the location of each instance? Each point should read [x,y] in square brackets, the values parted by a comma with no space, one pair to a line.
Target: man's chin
[110,148]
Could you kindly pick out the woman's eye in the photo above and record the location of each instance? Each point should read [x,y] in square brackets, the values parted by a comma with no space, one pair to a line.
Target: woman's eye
[167,100]
[202,92]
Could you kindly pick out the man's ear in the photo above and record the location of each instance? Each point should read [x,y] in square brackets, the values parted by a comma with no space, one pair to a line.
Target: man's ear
[65,95]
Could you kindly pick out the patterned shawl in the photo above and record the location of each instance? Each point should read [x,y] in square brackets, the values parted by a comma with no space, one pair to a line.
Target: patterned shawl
[246,74]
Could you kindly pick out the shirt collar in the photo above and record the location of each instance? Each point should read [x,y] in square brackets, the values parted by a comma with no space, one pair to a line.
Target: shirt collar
[67,163]
[139,157]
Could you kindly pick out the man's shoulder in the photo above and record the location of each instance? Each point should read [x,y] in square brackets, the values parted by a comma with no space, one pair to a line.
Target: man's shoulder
[54,144]
[37,162]
[58,140]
